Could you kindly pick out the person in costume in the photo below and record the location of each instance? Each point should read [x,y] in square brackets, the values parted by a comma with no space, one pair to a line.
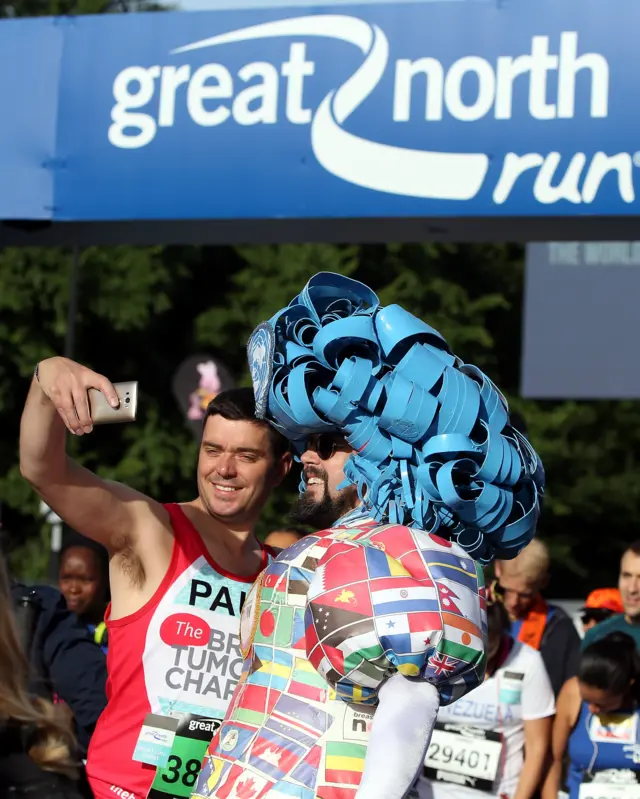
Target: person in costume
[355,636]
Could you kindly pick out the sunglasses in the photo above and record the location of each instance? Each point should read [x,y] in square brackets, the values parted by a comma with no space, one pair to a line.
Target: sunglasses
[325,445]
[500,592]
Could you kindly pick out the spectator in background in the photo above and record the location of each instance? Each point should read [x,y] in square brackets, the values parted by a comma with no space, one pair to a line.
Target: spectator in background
[283,538]
[38,756]
[516,705]
[601,604]
[84,584]
[544,627]
[64,662]
[597,719]
[629,585]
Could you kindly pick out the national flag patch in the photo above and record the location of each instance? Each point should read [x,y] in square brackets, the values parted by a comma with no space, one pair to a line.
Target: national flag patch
[461,632]
[298,633]
[393,632]
[313,721]
[257,701]
[368,674]
[287,731]
[449,567]
[210,775]
[275,755]
[243,784]
[425,630]
[299,580]
[417,597]
[333,624]
[233,740]
[414,563]
[354,596]
[365,644]
[290,790]
[275,576]
[452,690]
[441,665]
[380,564]
[310,692]
[344,762]
[306,682]
[295,551]
[345,563]
[306,772]
[448,598]
[335,792]
[395,540]
[272,673]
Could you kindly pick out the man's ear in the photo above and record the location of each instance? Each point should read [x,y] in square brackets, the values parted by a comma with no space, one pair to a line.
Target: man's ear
[543,582]
[497,569]
[283,467]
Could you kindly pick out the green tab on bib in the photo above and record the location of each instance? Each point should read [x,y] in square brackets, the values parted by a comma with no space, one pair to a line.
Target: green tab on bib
[178,778]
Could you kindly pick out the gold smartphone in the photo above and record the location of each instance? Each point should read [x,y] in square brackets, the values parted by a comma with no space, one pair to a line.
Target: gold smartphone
[103,413]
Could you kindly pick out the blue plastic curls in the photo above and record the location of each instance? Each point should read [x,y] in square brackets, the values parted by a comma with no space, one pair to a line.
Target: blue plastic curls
[433,446]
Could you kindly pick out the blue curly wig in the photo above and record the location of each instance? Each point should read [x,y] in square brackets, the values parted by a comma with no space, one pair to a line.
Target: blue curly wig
[433,444]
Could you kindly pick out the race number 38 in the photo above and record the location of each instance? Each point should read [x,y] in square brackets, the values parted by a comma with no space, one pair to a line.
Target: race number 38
[464,753]
[178,778]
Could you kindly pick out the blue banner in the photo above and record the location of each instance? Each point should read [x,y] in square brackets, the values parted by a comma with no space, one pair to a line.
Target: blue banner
[439,109]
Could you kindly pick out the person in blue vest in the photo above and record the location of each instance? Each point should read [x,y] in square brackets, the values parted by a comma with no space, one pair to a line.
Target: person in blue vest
[84,584]
[597,724]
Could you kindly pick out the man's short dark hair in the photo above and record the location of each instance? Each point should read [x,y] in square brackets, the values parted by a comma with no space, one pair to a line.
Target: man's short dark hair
[634,547]
[239,405]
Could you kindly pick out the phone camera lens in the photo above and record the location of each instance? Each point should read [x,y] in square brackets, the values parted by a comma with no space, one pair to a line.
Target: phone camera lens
[127,401]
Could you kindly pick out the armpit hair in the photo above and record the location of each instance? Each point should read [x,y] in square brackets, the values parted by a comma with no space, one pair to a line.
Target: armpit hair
[130,563]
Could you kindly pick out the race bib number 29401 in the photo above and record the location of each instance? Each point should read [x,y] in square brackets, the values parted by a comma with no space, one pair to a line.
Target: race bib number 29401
[464,756]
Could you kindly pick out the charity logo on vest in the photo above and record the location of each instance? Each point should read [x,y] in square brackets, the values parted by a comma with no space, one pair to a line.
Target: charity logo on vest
[192,656]
[425,92]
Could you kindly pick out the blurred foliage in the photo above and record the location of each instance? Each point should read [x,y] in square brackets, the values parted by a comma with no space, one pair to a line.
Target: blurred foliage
[141,311]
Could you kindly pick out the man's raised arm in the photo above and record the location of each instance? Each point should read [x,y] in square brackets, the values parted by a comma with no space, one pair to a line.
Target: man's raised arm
[103,510]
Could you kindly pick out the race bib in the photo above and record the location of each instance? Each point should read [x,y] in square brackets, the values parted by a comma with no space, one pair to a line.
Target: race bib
[611,784]
[617,728]
[177,779]
[464,755]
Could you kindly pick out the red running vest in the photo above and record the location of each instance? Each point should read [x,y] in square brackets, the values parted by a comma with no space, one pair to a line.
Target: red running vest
[180,653]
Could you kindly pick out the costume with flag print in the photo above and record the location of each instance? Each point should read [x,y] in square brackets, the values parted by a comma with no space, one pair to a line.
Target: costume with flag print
[328,623]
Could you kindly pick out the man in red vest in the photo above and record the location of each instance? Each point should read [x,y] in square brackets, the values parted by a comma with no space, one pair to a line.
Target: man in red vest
[544,627]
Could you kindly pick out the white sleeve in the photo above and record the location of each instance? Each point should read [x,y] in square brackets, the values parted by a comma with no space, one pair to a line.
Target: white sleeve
[538,700]
[400,734]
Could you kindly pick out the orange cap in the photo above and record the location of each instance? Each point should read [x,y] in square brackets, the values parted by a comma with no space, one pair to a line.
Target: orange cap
[605,599]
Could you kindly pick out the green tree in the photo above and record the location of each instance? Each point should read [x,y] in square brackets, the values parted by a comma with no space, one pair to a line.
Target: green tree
[142,310]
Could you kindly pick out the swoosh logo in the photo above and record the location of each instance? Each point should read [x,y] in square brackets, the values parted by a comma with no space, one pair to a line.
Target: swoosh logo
[364,162]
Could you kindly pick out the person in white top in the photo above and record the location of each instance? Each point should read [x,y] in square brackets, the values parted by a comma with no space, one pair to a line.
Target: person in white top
[494,741]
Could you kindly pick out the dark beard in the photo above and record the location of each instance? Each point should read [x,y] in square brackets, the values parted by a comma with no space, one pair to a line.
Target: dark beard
[324,514]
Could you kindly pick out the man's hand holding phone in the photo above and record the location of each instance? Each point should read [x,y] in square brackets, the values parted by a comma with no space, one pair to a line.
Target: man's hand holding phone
[76,391]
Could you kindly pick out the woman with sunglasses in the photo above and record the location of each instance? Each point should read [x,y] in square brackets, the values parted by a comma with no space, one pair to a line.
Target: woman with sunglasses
[494,741]
[597,724]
